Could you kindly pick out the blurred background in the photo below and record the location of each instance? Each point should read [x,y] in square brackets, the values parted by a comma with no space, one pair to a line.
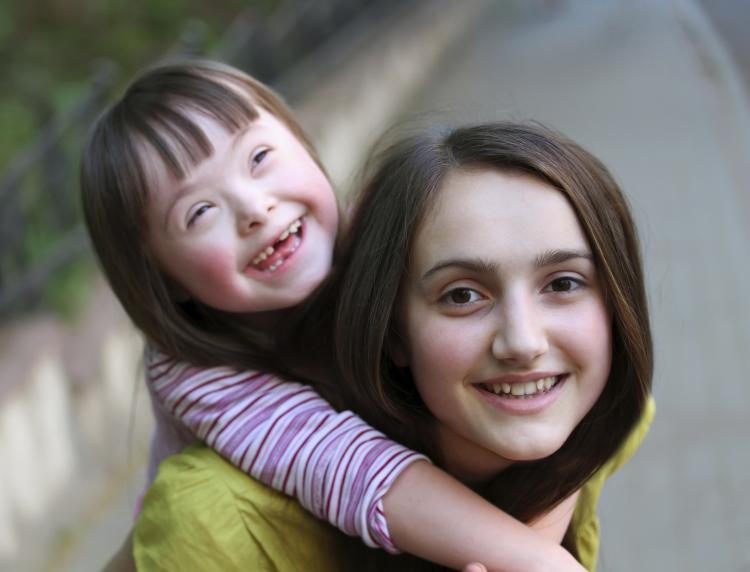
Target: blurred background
[657,89]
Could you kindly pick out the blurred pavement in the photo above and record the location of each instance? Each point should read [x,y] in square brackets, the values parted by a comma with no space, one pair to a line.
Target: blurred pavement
[649,87]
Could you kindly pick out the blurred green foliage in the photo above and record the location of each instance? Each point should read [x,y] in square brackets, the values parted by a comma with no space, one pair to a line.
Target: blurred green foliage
[68,292]
[47,48]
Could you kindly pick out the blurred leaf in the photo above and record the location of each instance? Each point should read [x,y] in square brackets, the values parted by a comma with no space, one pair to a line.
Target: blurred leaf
[18,127]
[6,22]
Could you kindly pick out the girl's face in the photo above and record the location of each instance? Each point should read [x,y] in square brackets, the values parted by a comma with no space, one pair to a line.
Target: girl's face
[503,321]
[251,228]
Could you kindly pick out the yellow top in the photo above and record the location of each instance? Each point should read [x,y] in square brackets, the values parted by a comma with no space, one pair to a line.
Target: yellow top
[201,513]
[584,521]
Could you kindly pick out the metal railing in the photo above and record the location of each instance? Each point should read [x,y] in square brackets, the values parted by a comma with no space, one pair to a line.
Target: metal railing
[40,224]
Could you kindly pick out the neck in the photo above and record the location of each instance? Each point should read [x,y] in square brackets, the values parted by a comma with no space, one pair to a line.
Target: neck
[469,462]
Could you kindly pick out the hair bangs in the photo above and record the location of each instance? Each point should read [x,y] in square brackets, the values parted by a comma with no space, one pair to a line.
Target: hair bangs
[166,123]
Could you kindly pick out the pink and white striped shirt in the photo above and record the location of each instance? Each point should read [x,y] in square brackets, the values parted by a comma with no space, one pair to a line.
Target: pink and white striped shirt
[283,434]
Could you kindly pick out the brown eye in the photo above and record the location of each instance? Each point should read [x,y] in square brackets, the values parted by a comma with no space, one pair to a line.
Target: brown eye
[461,296]
[564,284]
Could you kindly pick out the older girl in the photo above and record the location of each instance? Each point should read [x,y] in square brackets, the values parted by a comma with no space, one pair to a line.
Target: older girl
[490,311]
[492,306]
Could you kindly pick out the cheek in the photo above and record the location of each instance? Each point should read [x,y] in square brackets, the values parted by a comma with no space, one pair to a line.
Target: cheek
[208,268]
[213,261]
[328,211]
[600,334]
[588,337]
[442,355]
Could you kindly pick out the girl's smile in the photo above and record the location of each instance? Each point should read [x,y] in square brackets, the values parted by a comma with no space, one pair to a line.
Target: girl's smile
[280,249]
[502,323]
[516,396]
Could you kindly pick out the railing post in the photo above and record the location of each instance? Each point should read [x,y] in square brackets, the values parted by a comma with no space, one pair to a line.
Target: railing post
[49,391]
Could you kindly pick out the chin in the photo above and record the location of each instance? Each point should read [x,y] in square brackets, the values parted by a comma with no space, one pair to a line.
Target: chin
[306,290]
[534,452]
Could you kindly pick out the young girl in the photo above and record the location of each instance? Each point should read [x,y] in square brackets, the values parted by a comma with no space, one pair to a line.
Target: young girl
[212,219]
[491,310]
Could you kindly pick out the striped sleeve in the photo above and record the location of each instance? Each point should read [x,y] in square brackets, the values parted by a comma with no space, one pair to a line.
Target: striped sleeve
[288,437]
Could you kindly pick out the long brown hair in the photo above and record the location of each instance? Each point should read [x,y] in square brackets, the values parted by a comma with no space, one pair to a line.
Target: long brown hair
[151,121]
[396,198]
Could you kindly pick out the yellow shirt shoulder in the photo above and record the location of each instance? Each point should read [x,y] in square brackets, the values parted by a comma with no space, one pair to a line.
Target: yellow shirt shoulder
[201,513]
[585,520]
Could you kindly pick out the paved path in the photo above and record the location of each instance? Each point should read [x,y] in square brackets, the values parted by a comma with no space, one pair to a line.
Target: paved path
[730,19]
[649,88]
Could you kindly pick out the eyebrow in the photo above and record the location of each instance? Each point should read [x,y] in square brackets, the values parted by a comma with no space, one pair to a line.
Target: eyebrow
[476,265]
[481,266]
[558,256]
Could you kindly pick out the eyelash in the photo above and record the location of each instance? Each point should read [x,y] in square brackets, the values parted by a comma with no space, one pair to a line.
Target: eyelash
[445,298]
[258,157]
[197,214]
[576,282]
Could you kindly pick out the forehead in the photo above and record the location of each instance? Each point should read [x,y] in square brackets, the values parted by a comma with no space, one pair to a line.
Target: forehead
[488,212]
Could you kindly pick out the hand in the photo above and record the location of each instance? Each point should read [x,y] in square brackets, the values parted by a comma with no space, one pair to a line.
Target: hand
[573,566]
[475,567]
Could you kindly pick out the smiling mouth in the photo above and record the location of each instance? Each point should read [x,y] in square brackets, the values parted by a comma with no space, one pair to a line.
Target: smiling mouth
[523,390]
[273,256]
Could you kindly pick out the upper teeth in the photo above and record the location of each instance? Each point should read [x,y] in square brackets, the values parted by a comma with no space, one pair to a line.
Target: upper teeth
[525,388]
[269,250]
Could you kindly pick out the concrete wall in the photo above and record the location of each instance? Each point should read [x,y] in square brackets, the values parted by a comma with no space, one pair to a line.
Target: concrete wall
[68,396]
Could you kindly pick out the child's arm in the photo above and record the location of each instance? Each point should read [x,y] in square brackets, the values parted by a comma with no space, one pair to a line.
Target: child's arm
[554,524]
[339,468]
[289,438]
[433,516]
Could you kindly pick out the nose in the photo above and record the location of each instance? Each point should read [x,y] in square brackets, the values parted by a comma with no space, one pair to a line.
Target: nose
[253,210]
[520,337]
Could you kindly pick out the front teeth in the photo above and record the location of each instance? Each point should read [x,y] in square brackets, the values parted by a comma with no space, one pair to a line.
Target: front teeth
[269,250]
[293,228]
[522,389]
